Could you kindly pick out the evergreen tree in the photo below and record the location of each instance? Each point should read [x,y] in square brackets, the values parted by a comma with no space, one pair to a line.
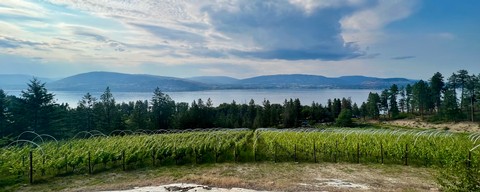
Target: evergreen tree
[372,105]
[288,114]
[449,108]
[402,101]
[344,118]
[471,89]
[436,86]
[420,95]
[363,110]
[3,113]
[384,101]
[336,108]
[355,110]
[38,102]
[163,108]
[139,117]
[85,114]
[267,114]
[461,81]
[346,103]
[393,111]
[408,98]
[107,112]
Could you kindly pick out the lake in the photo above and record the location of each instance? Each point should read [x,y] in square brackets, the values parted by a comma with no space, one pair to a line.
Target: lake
[243,96]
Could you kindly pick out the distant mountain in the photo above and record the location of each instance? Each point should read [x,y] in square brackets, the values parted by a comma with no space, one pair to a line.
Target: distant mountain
[215,80]
[316,81]
[373,82]
[18,81]
[98,81]
[288,81]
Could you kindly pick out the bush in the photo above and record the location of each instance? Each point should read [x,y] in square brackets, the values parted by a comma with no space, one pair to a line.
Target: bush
[460,177]
[344,119]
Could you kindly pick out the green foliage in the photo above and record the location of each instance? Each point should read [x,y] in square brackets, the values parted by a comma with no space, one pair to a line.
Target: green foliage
[437,85]
[420,148]
[372,106]
[344,119]
[460,176]
[393,110]
[163,108]
[38,102]
[3,112]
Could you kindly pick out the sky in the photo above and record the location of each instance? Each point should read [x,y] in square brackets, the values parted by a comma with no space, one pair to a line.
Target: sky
[240,38]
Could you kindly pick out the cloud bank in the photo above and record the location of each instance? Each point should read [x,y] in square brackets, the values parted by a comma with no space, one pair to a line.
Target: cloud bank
[125,33]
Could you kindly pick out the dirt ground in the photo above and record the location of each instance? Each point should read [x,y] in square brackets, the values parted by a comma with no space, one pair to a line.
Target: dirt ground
[252,176]
[463,127]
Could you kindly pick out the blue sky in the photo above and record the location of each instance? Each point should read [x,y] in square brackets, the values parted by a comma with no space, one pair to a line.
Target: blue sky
[240,38]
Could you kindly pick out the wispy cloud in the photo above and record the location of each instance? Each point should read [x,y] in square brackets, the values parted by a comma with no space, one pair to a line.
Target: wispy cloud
[366,24]
[404,57]
[192,32]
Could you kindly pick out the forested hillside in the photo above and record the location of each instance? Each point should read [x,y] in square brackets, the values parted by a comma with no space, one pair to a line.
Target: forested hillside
[441,99]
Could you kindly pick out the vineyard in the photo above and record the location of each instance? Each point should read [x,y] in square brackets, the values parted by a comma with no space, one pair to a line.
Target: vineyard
[43,157]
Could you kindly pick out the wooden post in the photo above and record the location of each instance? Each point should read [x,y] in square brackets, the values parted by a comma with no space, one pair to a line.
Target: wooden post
[153,157]
[216,149]
[358,152]
[255,154]
[31,168]
[89,164]
[381,151]
[235,153]
[175,152]
[469,160]
[43,163]
[66,164]
[195,153]
[406,154]
[123,160]
[216,155]
[335,152]
[295,153]
[275,152]
[314,153]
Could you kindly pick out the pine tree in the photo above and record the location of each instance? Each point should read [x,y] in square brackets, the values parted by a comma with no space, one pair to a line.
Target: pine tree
[163,108]
[372,106]
[436,86]
[3,113]
[393,92]
[38,102]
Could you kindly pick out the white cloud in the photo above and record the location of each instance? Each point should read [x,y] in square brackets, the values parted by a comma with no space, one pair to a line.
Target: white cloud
[255,34]
[365,25]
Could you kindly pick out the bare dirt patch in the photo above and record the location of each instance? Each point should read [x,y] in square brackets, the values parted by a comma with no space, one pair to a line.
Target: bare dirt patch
[454,127]
[255,176]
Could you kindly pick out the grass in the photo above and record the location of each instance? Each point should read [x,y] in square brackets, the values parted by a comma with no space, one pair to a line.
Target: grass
[260,176]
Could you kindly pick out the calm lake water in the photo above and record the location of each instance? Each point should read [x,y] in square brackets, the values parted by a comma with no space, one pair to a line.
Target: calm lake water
[306,96]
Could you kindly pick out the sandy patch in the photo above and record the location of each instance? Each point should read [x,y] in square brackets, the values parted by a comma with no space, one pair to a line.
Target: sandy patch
[246,177]
[184,187]
[454,127]
[336,183]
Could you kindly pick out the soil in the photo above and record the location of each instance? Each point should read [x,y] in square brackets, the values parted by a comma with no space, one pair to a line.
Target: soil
[464,127]
[248,177]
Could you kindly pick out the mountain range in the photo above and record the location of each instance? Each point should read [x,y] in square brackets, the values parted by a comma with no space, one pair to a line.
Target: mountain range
[98,81]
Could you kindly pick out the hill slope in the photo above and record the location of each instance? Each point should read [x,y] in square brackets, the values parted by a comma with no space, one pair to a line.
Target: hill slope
[98,81]
[215,80]
[316,81]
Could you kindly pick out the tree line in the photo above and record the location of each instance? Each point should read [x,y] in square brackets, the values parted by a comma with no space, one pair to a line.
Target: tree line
[454,99]
[438,99]
[35,110]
